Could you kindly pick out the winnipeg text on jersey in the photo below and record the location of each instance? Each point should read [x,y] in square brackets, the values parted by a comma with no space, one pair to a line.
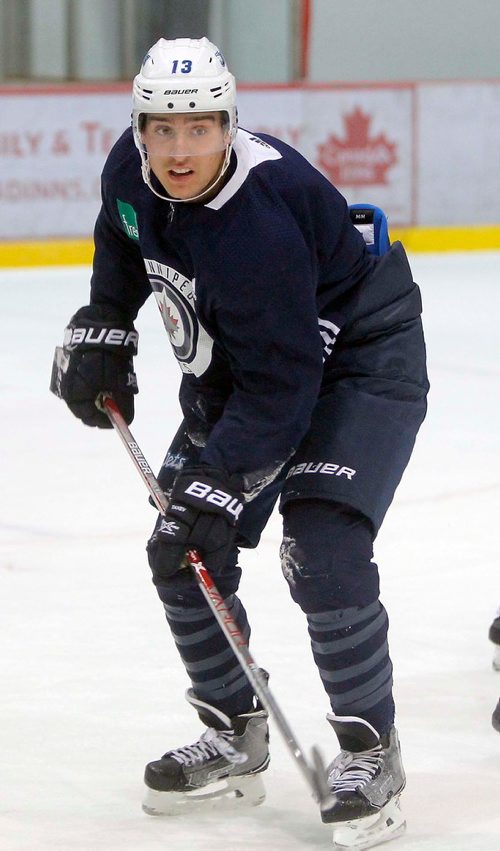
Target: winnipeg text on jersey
[175,297]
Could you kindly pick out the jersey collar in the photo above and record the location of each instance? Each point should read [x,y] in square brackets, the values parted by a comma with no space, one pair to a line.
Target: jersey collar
[250,152]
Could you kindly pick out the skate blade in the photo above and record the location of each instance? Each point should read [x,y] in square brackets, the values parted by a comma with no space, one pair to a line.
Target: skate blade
[496,658]
[360,834]
[247,791]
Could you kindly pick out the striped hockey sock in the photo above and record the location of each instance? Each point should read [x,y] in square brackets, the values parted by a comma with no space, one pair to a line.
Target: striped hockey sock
[215,674]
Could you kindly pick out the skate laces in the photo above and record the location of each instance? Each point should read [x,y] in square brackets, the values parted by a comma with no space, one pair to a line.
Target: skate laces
[351,771]
[211,743]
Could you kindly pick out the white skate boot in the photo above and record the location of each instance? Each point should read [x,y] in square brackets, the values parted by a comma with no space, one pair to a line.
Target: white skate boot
[366,780]
[223,766]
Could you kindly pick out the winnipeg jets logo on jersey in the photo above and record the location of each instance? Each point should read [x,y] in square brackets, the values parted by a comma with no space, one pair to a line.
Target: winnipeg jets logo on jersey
[175,297]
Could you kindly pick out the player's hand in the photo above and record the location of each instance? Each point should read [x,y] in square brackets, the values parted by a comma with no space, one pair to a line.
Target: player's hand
[96,357]
[204,511]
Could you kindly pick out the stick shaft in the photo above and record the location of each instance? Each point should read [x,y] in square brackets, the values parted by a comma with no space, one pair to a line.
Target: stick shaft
[215,601]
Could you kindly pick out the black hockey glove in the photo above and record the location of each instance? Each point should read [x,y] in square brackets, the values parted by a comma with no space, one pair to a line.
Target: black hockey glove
[204,511]
[96,357]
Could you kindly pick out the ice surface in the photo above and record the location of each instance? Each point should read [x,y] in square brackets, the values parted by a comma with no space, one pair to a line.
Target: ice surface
[91,687]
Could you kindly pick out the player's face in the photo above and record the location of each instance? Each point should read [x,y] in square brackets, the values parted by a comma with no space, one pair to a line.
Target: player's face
[186,151]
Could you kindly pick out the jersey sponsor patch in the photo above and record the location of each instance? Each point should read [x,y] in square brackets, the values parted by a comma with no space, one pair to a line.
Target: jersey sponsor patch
[175,297]
[128,218]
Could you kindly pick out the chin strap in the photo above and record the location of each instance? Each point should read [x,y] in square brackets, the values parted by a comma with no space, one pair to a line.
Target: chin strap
[146,176]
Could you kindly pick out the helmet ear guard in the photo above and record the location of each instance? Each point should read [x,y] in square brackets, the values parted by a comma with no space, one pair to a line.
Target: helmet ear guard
[183,76]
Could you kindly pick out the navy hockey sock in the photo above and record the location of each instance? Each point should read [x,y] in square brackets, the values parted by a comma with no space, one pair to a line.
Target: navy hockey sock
[326,559]
[350,649]
[215,674]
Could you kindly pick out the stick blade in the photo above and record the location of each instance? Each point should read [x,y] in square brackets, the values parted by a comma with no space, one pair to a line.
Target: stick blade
[318,775]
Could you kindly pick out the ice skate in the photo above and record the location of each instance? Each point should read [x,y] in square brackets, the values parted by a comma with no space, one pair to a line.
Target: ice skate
[495,718]
[223,767]
[494,636]
[365,780]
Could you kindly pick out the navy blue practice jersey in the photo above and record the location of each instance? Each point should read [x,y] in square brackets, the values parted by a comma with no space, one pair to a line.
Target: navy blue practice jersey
[254,288]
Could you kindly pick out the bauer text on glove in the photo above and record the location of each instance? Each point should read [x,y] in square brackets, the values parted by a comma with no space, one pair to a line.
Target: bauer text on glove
[96,357]
[204,511]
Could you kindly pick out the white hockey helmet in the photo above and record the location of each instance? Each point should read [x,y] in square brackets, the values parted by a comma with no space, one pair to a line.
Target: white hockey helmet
[183,75]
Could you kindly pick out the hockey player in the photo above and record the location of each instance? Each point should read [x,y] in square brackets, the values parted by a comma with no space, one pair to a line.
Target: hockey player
[303,380]
[495,718]
[494,636]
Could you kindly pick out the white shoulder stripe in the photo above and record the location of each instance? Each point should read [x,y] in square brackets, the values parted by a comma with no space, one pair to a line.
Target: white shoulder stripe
[250,151]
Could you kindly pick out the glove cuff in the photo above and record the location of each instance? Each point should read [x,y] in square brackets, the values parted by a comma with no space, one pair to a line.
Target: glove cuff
[103,327]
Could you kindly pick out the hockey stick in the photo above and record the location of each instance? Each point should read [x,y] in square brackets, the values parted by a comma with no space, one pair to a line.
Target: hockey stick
[315,774]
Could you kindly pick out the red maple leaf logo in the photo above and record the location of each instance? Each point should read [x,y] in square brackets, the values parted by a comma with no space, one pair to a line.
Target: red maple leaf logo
[357,160]
[169,320]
